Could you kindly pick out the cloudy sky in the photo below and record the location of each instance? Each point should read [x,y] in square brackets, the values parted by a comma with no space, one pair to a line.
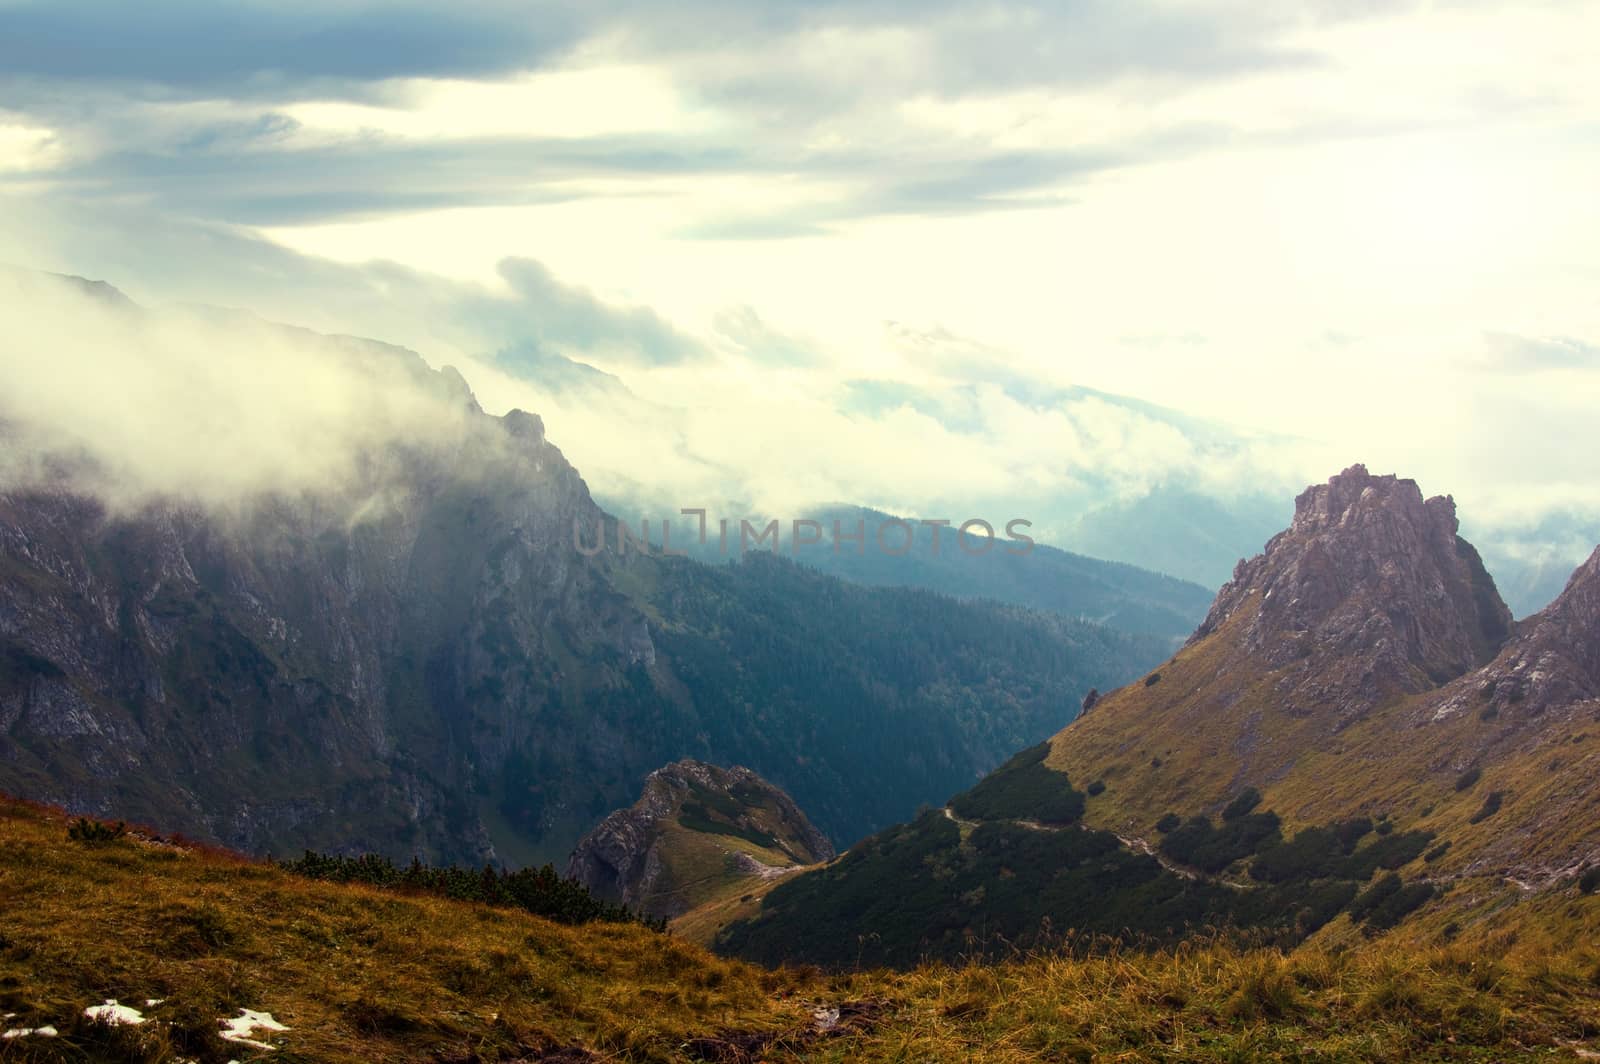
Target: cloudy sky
[884,251]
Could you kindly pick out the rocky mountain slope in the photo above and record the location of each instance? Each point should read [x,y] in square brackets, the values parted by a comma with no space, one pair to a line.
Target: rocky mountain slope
[698,833]
[417,658]
[1357,728]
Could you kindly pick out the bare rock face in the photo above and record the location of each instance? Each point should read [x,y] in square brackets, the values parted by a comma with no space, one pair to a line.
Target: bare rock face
[1553,662]
[641,856]
[1370,593]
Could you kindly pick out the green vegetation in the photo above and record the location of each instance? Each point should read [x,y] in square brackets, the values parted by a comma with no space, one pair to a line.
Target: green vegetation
[1490,806]
[1333,853]
[85,830]
[1022,789]
[816,654]
[1589,882]
[539,891]
[1246,801]
[1389,899]
[697,817]
[944,889]
[921,891]
[1468,778]
[1200,844]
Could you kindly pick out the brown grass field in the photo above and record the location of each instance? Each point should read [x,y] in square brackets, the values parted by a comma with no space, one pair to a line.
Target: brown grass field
[363,975]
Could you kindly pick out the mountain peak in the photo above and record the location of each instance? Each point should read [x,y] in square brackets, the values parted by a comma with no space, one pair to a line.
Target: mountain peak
[1355,493]
[1372,573]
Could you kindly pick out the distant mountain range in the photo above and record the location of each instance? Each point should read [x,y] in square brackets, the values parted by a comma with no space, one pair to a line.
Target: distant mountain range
[878,549]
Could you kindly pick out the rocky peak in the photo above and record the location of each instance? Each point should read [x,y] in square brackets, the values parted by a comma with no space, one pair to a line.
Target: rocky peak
[1371,574]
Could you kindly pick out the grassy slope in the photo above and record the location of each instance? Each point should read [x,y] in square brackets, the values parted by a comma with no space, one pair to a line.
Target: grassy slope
[1383,763]
[357,973]
[701,866]
[361,975]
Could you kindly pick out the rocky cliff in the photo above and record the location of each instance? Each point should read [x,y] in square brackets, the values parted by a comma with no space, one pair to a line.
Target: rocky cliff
[1370,592]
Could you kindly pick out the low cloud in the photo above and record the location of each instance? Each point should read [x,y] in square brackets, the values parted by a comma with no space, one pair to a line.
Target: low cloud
[205,406]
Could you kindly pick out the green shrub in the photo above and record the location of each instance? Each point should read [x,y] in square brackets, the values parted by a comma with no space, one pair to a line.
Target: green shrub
[1153,679]
[1167,822]
[1097,787]
[1589,882]
[1491,806]
[1375,895]
[1468,778]
[1024,788]
[537,890]
[1396,905]
[85,830]
[1211,849]
[1437,852]
[1246,801]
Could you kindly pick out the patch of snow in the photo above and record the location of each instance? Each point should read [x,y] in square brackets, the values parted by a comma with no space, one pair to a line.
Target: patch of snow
[25,1032]
[114,1014]
[151,1003]
[239,1029]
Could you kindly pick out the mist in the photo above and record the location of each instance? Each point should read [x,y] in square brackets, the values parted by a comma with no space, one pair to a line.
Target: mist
[206,406]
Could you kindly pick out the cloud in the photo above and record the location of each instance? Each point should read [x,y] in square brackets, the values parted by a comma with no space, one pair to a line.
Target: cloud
[204,406]
[270,49]
[676,419]
[753,340]
[574,319]
[1510,353]
[217,110]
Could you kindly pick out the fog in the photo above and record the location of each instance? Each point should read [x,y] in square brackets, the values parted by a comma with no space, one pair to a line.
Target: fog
[212,407]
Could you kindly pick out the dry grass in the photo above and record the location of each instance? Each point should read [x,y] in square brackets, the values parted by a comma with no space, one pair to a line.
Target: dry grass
[363,975]
[358,973]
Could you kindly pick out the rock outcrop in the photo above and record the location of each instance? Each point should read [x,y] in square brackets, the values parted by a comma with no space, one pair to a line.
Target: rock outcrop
[653,856]
[1369,593]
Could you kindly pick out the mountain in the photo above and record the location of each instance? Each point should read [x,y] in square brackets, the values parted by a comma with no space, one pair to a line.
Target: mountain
[1356,735]
[414,656]
[698,833]
[906,552]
